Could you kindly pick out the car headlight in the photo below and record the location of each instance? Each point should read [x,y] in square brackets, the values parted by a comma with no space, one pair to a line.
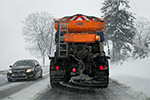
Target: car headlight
[29,70]
[9,71]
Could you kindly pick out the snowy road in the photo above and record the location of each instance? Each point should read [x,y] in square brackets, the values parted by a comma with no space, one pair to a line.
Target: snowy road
[113,92]
[41,90]
[12,88]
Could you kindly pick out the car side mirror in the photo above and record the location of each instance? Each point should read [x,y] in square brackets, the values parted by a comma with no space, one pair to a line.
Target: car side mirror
[37,65]
[10,66]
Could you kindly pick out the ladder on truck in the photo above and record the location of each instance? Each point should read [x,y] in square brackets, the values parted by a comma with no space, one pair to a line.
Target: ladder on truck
[62,45]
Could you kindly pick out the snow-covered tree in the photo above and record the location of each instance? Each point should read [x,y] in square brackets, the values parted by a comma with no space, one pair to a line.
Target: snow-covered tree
[119,25]
[142,38]
[38,31]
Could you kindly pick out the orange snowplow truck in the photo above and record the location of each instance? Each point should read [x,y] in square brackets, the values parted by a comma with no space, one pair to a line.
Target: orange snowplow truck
[79,58]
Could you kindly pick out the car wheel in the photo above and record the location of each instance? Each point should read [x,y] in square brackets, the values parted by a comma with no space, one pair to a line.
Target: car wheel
[33,78]
[9,80]
[41,74]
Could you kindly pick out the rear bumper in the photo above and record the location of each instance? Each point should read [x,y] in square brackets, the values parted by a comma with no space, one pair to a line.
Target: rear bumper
[56,76]
[58,73]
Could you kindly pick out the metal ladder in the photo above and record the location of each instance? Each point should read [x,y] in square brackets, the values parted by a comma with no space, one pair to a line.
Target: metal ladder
[63,46]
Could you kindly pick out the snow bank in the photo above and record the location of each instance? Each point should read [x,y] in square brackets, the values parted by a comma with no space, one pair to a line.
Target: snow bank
[3,79]
[134,73]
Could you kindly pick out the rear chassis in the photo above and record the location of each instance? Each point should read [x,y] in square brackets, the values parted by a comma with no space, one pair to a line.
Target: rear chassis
[99,78]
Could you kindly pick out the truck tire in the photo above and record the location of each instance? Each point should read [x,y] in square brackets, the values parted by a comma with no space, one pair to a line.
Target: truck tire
[54,84]
[107,81]
[107,76]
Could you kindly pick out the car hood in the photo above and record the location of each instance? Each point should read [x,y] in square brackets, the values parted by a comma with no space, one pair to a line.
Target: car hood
[22,67]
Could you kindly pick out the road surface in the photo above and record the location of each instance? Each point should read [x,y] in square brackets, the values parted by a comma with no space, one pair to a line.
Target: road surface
[113,92]
[41,90]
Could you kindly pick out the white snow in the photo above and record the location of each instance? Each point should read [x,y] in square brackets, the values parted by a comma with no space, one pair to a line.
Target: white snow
[35,90]
[134,73]
[3,79]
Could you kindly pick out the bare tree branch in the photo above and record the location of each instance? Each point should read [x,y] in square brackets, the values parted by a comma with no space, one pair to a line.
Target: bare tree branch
[38,30]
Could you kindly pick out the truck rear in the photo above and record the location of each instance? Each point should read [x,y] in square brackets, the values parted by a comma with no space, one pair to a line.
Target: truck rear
[79,58]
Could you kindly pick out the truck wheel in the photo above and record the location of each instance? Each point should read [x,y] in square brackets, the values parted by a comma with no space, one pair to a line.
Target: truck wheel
[67,76]
[105,86]
[54,84]
[106,83]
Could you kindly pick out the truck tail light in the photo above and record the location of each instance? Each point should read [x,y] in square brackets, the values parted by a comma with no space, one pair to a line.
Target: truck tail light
[106,67]
[57,67]
[103,67]
[73,70]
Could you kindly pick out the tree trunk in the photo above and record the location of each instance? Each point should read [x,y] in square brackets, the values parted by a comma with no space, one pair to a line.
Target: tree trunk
[118,51]
[43,60]
[113,55]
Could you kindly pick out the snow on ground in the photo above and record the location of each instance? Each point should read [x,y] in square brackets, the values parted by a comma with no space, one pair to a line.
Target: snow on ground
[25,94]
[134,73]
[3,78]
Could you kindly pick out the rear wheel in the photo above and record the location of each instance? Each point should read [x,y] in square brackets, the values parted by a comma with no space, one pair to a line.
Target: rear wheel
[57,75]
[67,76]
[54,84]
[106,79]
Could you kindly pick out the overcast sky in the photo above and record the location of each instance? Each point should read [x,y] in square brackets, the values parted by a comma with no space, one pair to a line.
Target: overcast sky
[13,12]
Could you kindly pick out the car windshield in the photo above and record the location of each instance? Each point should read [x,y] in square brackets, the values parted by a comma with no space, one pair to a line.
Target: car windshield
[23,63]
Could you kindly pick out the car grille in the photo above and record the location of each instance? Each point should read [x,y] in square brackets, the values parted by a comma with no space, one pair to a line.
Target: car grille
[19,74]
[23,76]
[18,71]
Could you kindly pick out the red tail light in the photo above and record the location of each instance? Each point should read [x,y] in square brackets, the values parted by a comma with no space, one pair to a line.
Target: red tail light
[101,67]
[51,67]
[57,67]
[73,70]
